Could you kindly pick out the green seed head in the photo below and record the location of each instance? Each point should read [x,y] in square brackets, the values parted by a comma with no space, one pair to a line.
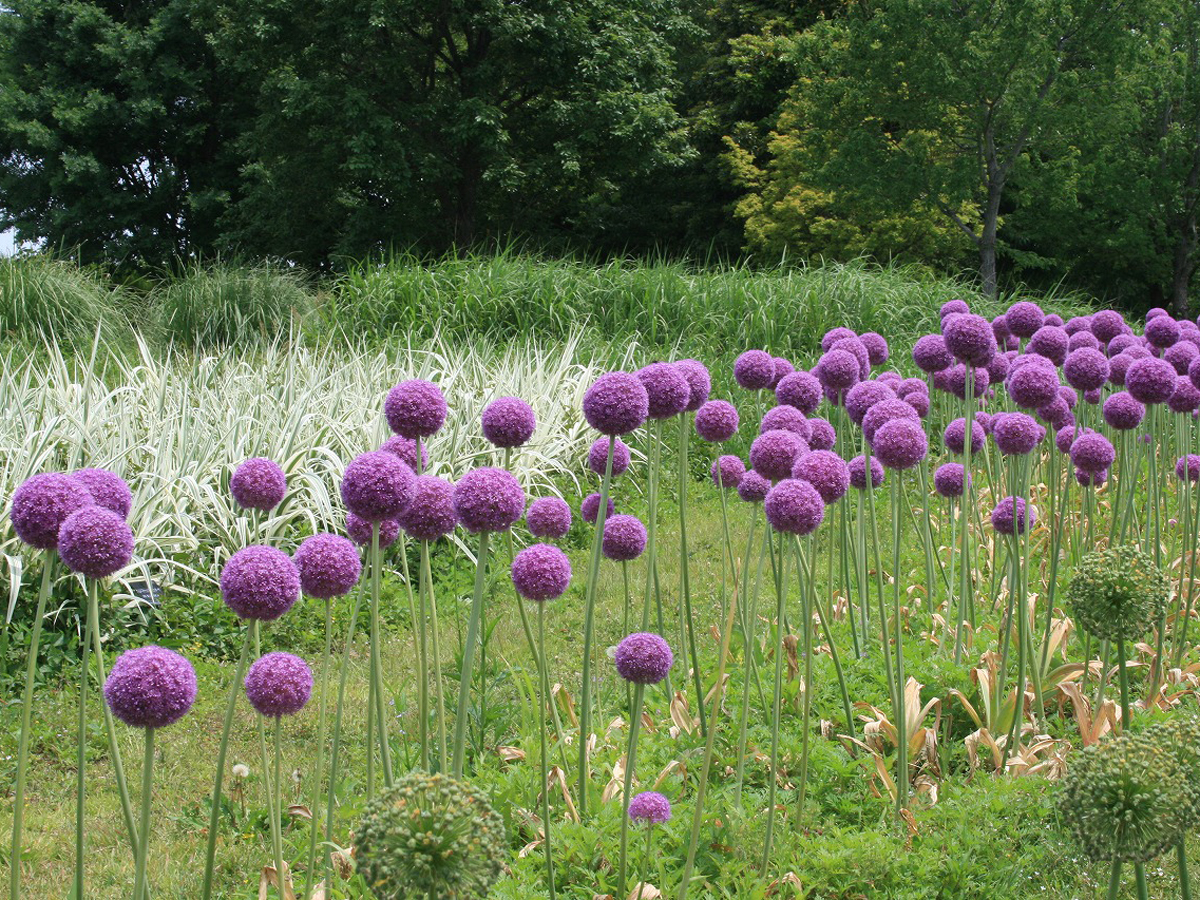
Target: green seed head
[1118,593]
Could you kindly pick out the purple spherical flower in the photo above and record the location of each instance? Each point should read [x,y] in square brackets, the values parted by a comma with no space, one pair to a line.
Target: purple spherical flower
[826,471]
[624,538]
[886,411]
[1107,324]
[1009,516]
[1150,380]
[1016,434]
[1050,342]
[542,572]
[1068,396]
[1120,344]
[823,436]
[877,347]
[773,453]
[858,472]
[953,307]
[667,391]
[783,368]
[1122,412]
[786,418]
[150,687]
[801,390]
[753,487]
[998,368]
[1092,452]
[1118,366]
[42,503]
[856,348]
[890,378]
[1091,479]
[754,370]
[863,396]
[415,408]
[1078,325]
[589,509]
[616,404]
[833,335]
[1155,311]
[1065,437]
[650,807]
[1057,413]
[377,485]
[1187,468]
[1081,340]
[488,499]
[1186,398]
[1033,386]
[954,381]
[329,566]
[919,402]
[716,421]
[643,658]
[430,514]
[794,506]
[508,422]
[695,373]
[1053,319]
[110,490]
[359,530]
[279,684]
[908,386]
[406,449]
[969,338]
[1024,318]
[598,456]
[95,542]
[727,471]
[900,444]
[930,354]
[1086,369]
[258,483]
[549,517]
[948,480]
[1193,371]
[260,582]
[838,370]
[1162,332]
[1181,355]
[1092,396]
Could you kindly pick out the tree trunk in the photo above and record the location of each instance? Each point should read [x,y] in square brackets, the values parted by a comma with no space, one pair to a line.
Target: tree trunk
[1181,276]
[467,200]
[988,240]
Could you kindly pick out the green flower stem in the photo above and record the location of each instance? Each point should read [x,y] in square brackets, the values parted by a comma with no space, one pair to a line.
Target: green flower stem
[139,878]
[648,860]
[319,767]
[1143,889]
[81,745]
[276,825]
[544,697]
[775,715]
[964,586]
[807,595]
[1185,884]
[684,585]
[823,618]
[884,637]
[845,550]
[385,751]
[900,712]
[525,626]
[14,859]
[416,615]
[1114,879]
[951,616]
[336,753]
[1123,677]
[438,692]
[468,655]
[751,620]
[214,816]
[635,721]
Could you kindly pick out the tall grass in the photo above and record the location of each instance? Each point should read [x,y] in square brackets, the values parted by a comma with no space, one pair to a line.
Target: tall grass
[41,296]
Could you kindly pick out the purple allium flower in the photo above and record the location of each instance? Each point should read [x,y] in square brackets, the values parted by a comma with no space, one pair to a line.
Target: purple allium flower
[279,684]
[431,514]
[858,472]
[1009,516]
[542,572]
[858,350]
[1086,369]
[508,422]
[1033,386]
[716,421]
[1118,366]
[1078,325]
[823,436]
[1015,434]
[1107,324]
[1187,468]
[754,370]
[650,807]
[1120,344]
[1180,356]
[753,487]
[616,404]
[1081,340]
[695,373]
[801,390]
[838,370]
[794,506]
[1024,318]
[998,368]
[329,566]
[95,542]
[598,457]
[877,347]
[948,480]
[643,658]
[863,396]
[359,530]
[1092,452]
[1162,331]
[786,418]
[954,381]
[1092,397]
[1064,437]
[1150,380]
[1091,479]
[42,503]
[1053,319]
[833,335]
[258,483]
[1050,342]
[954,307]
[110,490]
[885,411]
[919,402]
[667,391]
[826,471]
[782,368]
[377,485]
[1186,397]
[773,453]
[1122,412]
[624,538]
[1154,312]
[488,499]
[415,408]
[406,449]
[930,354]
[900,444]
[260,582]
[589,509]
[1193,371]
[969,338]
[150,687]
[890,378]
[549,517]
[727,471]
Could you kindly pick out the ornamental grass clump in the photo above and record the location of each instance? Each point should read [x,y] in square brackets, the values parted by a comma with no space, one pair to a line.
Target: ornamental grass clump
[430,837]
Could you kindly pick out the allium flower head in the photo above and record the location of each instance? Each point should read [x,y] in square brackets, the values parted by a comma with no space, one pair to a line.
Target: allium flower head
[329,566]
[1120,344]
[415,408]
[1155,311]
[998,368]
[1065,437]
[541,572]
[1057,413]
[773,453]
[1083,339]
[1015,434]
[1187,468]
[1009,516]
[1078,324]
[716,421]
[954,381]
[1118,366]
[279,684]
[624,538]
[589,509]
[754,370]
[1181,355]
[616,404]
[886,411]
[919,402]
[900,444]
[786,418]
[877,347]
[110,490]
[359,530]
[258,483]
[650,807]
[699,382]
[1024,318]
[377,486]
[1193,371]
[801,390]
[1150,380]
[858,472]
[1091,479]
[826,471]
[406,449]
[1092,452]
[858,350]
[1186,398]
[260,582]
[727,471]
[1107,324]
[1051,342]
[488,499]
[782,368]
[598,457]
[1118,593]
[643,658]
[430,514]
[954,307]
[930,354]
[949,480]
[863,396]
[838,370]
[667,391]
[1033,386]
[42,503]
[1162,331]
[95,542]
[753,488]
[1086,369]
[823,436]
[150,687]
[833,335]
[549,517]
[1053,319]
[508,422]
